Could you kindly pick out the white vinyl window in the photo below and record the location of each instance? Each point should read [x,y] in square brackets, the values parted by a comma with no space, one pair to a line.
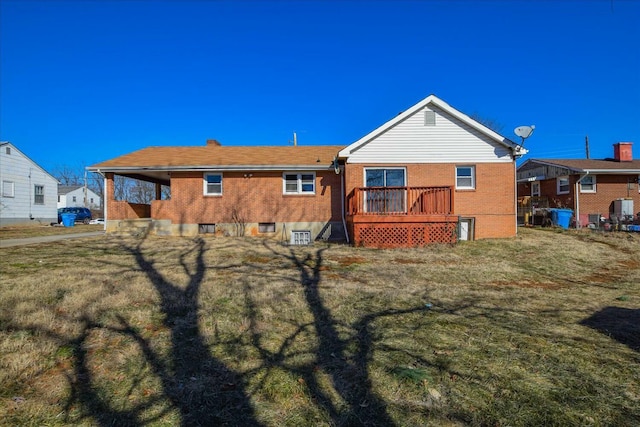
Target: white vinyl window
[465,177]
[562,185]
[213,184]
[535,189]
[299,183]
[38,194]
[8,189]
[588,184]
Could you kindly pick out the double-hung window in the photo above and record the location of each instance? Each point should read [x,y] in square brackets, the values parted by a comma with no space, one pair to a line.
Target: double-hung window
[212,184]
[299,183]
[8,188]
[38,194]
[465,177]
[588,184]
[562,185]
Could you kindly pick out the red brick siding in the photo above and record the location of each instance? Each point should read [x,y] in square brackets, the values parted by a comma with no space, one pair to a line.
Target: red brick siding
[608,189]
[258,198]
[492,203]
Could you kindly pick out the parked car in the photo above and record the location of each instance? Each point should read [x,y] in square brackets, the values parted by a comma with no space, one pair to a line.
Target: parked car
[82,214]
[97,221]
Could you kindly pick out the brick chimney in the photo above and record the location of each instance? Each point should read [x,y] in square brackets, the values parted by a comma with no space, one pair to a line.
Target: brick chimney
[214,142]
[622,152]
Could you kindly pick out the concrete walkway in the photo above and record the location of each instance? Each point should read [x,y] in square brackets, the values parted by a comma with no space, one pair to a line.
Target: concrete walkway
[7,243]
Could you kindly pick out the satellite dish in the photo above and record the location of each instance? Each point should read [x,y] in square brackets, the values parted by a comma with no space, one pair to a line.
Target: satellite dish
[524,132]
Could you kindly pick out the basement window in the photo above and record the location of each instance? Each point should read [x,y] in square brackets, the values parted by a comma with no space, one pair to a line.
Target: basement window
[267,227]
[206,228]
[301,237]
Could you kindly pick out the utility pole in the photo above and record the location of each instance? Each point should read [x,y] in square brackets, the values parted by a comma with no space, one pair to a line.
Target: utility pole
[586,145]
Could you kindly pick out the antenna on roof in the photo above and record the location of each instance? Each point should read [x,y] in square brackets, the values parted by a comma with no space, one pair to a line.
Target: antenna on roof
[295,139]
[524,132]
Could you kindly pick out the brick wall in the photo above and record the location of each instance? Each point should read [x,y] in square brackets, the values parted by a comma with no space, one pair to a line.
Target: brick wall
[254,199]
[492,203]
[608,189]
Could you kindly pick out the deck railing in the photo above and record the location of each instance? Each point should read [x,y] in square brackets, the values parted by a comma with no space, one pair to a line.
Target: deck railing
[400,201]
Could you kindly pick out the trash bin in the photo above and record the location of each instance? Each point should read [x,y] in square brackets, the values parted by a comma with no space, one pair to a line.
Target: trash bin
[561,217]
[68,219]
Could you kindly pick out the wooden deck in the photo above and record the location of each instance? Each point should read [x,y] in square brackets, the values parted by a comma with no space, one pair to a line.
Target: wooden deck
[392,217]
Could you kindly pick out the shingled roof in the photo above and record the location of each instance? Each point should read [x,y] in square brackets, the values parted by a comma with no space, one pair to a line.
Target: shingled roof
[223,157]
[592,165]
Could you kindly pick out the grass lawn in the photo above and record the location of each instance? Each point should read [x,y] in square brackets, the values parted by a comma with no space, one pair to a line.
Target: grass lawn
[46,230]
[542,329]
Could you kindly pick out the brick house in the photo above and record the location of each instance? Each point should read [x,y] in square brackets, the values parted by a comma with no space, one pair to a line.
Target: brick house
[437,165]
[590,187]
[430,174]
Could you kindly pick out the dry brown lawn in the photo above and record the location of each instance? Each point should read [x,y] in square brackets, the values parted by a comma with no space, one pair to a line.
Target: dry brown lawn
[20,232]
[542,329]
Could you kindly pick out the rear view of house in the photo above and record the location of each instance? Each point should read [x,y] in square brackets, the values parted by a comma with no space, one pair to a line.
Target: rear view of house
[592,188]
[29,193]
[431,174]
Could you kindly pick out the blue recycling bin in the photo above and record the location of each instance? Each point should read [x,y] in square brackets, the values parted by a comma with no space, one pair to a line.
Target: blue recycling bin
[561,217]
[68,219]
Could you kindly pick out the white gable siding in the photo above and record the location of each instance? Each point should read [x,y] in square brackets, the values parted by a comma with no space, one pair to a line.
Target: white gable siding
[449,141]
[25,175]
[66,200]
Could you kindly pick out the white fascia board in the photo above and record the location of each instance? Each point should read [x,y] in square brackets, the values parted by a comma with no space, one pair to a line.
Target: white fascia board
[434,100]
[611,171]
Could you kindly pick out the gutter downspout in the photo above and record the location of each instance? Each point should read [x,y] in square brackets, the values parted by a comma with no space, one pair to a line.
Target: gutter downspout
[344,222]
[578,182]
[104,199]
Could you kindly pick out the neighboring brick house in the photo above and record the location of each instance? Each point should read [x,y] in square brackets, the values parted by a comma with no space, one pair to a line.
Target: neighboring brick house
[587,186]
[431,174]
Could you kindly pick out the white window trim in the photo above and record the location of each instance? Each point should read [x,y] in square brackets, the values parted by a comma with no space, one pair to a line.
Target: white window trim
[11,186]
[582,190]
[299,184]
[35,194]
[204,183]
[473,177]
[535,184]
[364,173]
[558,179]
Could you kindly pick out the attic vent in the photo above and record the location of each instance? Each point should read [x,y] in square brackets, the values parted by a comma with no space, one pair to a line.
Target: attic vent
[8,150]
[429,118]
[300,237]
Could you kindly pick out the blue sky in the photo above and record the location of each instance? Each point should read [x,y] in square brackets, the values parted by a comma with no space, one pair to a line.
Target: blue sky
[85,81]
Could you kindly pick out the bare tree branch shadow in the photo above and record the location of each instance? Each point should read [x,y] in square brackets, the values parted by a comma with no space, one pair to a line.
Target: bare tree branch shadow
[348,369]
[621,324]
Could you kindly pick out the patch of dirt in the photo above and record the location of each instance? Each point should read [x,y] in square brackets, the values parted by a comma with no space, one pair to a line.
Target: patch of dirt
[528,284]
[349,260]
[406,261]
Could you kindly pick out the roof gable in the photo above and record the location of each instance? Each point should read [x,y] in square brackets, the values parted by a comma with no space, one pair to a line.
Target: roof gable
[4,144]
[434,103]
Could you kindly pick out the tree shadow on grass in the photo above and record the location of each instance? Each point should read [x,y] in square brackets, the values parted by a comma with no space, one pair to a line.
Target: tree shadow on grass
[621,324]
[200,387]
[345,360]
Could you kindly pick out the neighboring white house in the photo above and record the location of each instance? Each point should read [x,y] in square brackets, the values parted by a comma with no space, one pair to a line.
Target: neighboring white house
[77,196]
[28,193]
